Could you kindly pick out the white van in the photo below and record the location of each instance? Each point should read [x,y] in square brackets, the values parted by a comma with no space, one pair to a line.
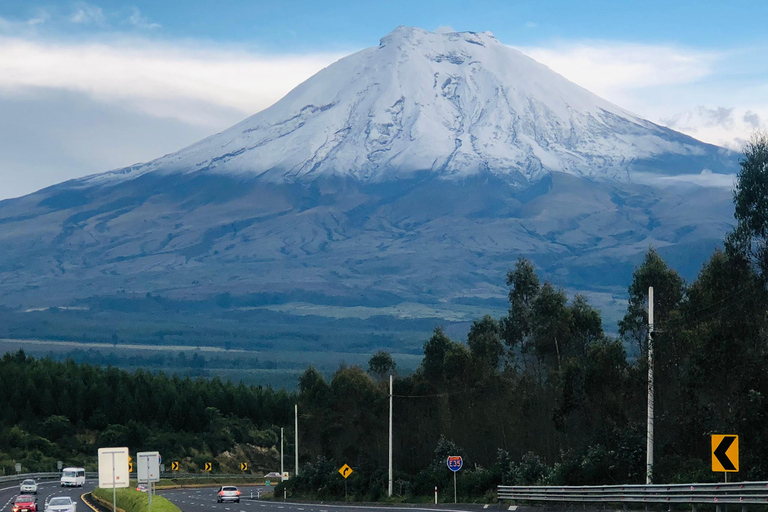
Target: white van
[73,477]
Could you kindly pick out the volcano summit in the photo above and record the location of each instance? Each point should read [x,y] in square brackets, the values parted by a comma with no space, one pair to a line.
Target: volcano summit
[416,171]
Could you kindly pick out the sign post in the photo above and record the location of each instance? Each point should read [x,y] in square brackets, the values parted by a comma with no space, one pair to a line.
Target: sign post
[455,462]
[345,471]
[113,471]
[148,471]
[725,454]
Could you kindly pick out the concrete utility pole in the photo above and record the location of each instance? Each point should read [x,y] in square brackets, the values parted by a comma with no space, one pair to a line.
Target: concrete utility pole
[296,439]
[282,469]
[649,447]
[391,380]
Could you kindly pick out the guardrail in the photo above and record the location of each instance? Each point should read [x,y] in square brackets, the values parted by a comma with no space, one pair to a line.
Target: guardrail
[168,474]
[737,493]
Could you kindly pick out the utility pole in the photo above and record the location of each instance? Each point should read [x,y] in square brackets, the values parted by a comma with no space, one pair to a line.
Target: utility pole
[649,447]
[391,380]
[282,469]
[296,440]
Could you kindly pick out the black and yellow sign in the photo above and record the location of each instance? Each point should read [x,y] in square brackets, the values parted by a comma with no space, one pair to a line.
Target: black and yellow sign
[345,471]
[174,466]
[208,466]
[130,468]
[243,466]
[725,453]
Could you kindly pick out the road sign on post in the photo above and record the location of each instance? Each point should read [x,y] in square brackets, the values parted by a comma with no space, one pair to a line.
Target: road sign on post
[243,466]
[17,467]
[59,465]
[725,453]
[148,467]
[345,471]
[174,466]
[455,462]
[113,471]
[208,466]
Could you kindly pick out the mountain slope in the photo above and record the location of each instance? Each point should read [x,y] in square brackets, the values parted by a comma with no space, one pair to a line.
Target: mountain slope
[454,104]
[415,172]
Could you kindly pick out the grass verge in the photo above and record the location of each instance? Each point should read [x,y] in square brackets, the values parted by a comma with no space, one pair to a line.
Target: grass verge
[130,500]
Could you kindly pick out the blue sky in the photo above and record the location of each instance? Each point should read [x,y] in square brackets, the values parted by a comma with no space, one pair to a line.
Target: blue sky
[303,25]
[87,86]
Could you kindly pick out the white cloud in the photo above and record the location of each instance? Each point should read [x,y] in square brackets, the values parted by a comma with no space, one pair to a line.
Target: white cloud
[706,179]
[715,96]
[88,14]
[137,20]
[612,68]
[159,79]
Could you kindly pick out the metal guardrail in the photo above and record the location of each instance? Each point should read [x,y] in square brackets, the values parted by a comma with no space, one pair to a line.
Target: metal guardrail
[738,493]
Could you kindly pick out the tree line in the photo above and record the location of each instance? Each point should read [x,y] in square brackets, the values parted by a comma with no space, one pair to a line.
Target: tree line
[539,396]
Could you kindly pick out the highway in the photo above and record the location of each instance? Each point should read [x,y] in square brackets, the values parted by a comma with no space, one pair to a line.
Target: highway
[45,491]
[204,500]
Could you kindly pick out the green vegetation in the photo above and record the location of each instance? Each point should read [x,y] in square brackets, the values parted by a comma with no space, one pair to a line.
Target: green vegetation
[540,395]
[63,411]
[131,500]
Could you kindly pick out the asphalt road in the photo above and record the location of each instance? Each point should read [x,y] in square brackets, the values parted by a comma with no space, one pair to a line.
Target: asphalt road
[45,491]
[204,500]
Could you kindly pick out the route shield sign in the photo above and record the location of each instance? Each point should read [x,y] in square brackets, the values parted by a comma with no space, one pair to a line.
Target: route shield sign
[455,462]
[725,453]
[345,471]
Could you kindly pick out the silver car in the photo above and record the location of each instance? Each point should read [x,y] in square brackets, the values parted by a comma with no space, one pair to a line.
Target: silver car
[61,504]
[28,486]
[228,493]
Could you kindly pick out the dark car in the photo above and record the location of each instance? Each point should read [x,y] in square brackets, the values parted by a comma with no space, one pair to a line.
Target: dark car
[25,503]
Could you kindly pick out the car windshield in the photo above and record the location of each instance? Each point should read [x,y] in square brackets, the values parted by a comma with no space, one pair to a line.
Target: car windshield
[24,499]
[70,474]
[229,488]
[28,482]
[57,502]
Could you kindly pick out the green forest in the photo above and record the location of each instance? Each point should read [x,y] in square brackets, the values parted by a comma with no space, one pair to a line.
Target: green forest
[539,396]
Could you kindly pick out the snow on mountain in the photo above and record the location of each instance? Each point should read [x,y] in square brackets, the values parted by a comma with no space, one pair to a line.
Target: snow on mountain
[455,104]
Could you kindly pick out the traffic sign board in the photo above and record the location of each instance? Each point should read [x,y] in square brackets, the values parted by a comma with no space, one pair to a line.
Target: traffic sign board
[345,471]
[130,467]
[113,468]
[208,466]
[455,462]
[725,453]
[243,466]
[174,466]
[148,466]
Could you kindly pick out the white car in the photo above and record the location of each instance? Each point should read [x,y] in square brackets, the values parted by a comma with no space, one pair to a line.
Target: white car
[61,504]
[228,493]
[28,487]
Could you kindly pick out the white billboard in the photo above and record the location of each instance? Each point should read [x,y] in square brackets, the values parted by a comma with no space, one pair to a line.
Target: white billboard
[148,467]
[113,468]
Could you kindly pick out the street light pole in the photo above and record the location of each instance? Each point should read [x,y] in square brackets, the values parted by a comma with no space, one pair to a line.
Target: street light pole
[282,469]
[296,440]
[391,380]
[649,447]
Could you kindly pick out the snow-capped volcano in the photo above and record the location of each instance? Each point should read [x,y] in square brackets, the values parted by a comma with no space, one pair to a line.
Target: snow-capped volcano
[455,104]
[415,171]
